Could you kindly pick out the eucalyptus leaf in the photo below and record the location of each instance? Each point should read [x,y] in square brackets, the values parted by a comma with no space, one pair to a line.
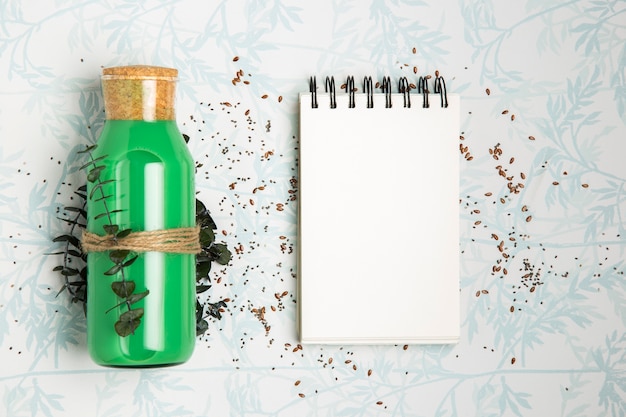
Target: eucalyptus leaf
[69,272]
[88,149]
[223,255]
[136,297]
[92,162]
[207,237]
[123,289]
[118,256]
[94,174]
[130,261]
[110,229]
[126,328]
[202,288]
[134,314]
[123,233]
[99,186]
[130,300]
[201,327]
[73,240]
[114,269]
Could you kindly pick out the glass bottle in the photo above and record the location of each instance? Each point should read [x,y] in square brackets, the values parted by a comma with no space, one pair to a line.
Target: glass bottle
[146,183]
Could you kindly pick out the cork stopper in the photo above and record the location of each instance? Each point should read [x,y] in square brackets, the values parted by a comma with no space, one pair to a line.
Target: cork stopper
[139,92]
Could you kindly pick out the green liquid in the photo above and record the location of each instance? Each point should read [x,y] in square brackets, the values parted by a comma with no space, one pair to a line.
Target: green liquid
[153,188]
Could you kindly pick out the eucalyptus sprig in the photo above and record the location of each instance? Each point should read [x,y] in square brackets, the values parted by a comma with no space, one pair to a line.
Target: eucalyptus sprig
[130,320]
[74,268]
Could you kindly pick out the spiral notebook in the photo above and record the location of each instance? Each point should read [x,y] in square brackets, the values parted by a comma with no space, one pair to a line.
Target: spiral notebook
[378,219]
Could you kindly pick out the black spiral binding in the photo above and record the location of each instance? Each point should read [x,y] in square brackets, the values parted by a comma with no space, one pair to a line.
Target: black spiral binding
[422,88]
[350,90]
[368,89]
[386,88]
[313,91]
[330,88]
[440,88]
[404,88]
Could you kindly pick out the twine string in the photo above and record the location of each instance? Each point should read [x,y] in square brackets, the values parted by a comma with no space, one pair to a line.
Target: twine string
[184,240]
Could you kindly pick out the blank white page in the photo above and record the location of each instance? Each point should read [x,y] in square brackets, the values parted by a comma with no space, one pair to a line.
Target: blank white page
[378,221]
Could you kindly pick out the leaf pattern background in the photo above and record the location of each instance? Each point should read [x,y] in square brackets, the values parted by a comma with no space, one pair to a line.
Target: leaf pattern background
[542,285]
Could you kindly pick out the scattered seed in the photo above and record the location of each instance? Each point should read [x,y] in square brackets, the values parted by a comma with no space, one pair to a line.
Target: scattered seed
[247,112]
[585,185]
[532,289]
[369,372]
[484,291]
[512,117]
[302,395]
[525,208]
[505,111]
[297,383]
[414,70]
[488,91]
[414,50]
[379,403]
[264,96]
[280,98]
[531,138]
[477,293]
[512,361]
[512,309]
[529,218]
[555,183]
[235,59]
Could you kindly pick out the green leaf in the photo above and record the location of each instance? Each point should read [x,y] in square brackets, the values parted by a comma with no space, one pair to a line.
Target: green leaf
[124,233]
[110,229]
[73,240]
[133,314]
[221,252]
[99,186]
[126,328]
[203,269]
[69,272]
[130,261]
[201,327]
[131,300]
[94,174]
[92,162]
[88,149]
[206,237]
[114,269]
[78,210]
[101,215]
[202,288]
[101,198]
[118,256]
[136,297]
[123,289]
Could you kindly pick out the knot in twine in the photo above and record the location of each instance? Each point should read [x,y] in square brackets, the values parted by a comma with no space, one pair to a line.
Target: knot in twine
[184,240]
